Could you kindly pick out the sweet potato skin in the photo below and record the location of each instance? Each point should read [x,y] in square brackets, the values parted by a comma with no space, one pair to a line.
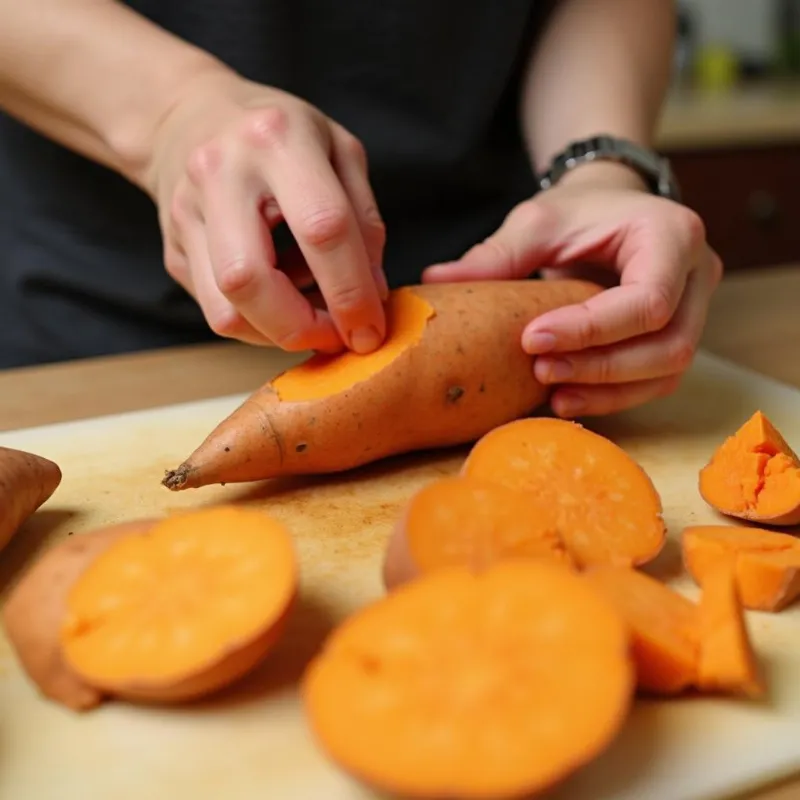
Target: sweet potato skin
[35,610]
[27,481]
[467,374]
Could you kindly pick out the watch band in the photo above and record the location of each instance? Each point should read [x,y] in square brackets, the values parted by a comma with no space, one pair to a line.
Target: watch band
[654,168]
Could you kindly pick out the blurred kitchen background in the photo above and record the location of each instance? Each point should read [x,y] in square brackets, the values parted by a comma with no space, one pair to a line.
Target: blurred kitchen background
[732,126]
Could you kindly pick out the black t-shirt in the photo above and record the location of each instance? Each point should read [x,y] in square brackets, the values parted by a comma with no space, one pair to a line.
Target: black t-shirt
[431,87]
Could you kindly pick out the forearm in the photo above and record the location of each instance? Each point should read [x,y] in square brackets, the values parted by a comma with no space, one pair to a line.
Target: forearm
[93,75]
[601,66]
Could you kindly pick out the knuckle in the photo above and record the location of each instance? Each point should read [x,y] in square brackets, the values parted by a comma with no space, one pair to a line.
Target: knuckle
[266,127]
[237,277]
[692,223]
[603,368]
[587,332]
[657,308]
[669,386]
[346,296]
[354,147]
[175,264]
[681,353]
[203,162]
[181,207]
[717,268]
[324,226]
[226,322]
[531,214]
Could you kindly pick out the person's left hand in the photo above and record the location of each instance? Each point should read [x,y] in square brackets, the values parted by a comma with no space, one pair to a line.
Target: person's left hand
[632,342]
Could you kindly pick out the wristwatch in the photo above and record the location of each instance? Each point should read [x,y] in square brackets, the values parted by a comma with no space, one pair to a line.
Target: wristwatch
[654,168]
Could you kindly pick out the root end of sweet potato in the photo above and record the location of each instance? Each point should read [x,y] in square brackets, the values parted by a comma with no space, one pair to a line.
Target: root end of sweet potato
[754,475]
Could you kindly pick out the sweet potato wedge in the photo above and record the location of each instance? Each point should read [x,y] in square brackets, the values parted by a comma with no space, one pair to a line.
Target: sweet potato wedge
[766,563]
[27,481]
[451,369]
[754,475]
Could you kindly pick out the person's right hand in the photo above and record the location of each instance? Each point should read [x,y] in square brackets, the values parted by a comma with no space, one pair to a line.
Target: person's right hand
[231,161]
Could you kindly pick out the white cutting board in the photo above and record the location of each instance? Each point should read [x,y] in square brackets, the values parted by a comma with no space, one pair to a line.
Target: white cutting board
[253,742]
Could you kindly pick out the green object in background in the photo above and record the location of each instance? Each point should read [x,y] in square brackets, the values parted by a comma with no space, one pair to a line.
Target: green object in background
[716,67]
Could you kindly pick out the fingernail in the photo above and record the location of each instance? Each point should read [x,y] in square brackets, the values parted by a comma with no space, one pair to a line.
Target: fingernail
[570,405]
[556,369]
[538,342]
[365,340]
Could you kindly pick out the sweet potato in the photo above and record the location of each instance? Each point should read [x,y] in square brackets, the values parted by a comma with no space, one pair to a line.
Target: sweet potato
[36,608]
[604,505]
[463,521]
[183,609]
[27,481]
[766,563]
[727,662]
[452,368]
[494,684]
[664,627]
[754,475]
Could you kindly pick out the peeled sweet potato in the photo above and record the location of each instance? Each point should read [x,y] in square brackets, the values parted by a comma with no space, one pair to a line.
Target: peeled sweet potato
[452,368]
[27,481]
[754,475]
[36,608]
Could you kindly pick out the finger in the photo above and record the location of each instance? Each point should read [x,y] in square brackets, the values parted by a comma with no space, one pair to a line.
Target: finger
[349,160]
[242,263]
[654,264]
[318,212]
[520,246]
[587,401]
[657,355]
[222,317]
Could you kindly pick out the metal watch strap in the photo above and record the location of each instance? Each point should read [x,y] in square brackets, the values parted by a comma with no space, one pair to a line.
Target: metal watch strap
[654,168]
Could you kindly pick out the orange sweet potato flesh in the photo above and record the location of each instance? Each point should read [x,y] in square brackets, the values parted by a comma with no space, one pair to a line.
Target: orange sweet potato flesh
[36,608]
[184,609]
[766,563]
[451,369]
[27,481]
[664,627]
[754,475]
[489,684]
[464,521]
[727,662]
[603,504]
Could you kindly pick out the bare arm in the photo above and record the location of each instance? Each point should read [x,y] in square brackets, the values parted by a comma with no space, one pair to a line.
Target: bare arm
[602,66]
[93,75]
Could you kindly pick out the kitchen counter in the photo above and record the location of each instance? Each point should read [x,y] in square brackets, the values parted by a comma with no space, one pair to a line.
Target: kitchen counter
[764,113]
[753,321]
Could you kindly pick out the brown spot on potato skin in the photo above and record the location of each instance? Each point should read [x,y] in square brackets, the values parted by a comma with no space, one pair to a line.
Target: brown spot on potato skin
[455,393]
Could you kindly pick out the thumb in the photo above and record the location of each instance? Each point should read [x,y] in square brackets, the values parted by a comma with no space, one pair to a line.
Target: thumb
[526,241]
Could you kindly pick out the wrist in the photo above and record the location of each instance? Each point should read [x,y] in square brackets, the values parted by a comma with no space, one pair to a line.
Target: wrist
[604,175]
[137,147]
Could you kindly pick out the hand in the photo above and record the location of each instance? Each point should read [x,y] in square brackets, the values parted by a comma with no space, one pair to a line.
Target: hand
[233,159]
[633,341]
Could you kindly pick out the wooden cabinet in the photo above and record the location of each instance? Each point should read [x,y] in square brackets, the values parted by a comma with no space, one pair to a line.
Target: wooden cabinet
[748,197]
